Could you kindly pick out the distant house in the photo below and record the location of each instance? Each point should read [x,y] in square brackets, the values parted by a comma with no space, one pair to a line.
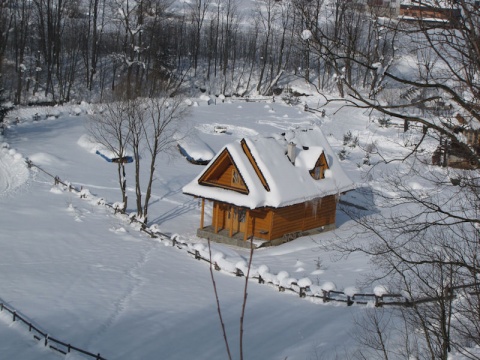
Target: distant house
[454,155]
[273,189]
[431,15]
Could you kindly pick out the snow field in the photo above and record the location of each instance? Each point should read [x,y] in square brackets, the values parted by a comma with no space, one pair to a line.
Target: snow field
[92,279]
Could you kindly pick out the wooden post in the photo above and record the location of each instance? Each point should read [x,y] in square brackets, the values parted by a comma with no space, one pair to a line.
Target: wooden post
[202,214]
[216,210]
[230,232]
[247,220]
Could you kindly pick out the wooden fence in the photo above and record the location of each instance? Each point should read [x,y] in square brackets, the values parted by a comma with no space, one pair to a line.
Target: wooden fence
[325,296]
[340,296]
[48,341]
[303,292]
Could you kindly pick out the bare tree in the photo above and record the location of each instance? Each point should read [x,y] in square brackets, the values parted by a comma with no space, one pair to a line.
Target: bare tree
[163,126]
[21,24]
[49,17]
[6,18]
[109,126]
[198,11]
[92,37]
[267,12]
[423,241]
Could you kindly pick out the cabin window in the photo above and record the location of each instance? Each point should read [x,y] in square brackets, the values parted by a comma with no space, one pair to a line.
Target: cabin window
[236,180]
[235,177]
[319,172]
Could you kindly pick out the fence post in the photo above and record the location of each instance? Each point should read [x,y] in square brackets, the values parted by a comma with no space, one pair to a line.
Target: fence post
[46,339]
[1,307]
[325,295]
[303,292]
[14,315]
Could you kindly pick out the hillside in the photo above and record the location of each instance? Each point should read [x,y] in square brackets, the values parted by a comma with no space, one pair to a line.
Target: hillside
[89,278]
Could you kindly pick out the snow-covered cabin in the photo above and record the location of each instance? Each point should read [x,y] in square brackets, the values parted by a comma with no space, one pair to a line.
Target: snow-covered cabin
[275,189]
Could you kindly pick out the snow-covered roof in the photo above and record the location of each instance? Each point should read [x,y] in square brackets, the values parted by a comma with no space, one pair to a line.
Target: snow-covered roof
[287,183]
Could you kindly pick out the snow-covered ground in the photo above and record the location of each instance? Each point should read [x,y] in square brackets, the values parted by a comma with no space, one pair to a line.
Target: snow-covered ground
[87,277]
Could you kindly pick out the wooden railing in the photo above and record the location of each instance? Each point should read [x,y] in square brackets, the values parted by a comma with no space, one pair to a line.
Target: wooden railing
[48,341]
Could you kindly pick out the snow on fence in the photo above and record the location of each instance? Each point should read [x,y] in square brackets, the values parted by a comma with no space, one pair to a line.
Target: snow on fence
[308,291]
[303,287]
[48,341]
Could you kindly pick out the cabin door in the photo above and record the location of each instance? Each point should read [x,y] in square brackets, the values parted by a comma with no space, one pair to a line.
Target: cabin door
[239,220]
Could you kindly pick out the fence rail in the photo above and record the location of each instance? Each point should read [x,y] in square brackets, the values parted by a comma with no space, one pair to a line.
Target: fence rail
[50,342]
[303,292]
[326,296]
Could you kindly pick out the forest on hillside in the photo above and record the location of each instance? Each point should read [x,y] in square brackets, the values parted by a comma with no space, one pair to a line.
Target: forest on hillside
[63,50]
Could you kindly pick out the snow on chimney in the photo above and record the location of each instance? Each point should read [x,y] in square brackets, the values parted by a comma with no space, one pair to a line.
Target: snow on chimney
[291,152]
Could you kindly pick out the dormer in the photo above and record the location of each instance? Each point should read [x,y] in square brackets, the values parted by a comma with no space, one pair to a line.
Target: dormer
[318,172]
[313,160]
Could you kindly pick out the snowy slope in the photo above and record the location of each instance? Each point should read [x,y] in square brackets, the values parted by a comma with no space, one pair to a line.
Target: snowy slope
[89,278]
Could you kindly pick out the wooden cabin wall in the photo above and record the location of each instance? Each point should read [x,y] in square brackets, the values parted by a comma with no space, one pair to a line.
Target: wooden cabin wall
[225,179]
[324,214]
[274,223]
[303,216]
[220,214]
[263,223]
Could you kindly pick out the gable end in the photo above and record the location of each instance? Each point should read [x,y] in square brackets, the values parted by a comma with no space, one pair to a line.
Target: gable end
[224,173]
[318,172]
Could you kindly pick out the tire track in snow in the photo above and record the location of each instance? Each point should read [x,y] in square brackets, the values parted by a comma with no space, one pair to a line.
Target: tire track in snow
[121,305]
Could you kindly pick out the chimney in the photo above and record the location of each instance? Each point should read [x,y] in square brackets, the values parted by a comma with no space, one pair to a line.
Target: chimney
[291,152]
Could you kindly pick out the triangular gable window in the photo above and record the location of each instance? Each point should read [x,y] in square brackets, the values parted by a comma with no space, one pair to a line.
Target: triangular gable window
[224,173]
[318,172]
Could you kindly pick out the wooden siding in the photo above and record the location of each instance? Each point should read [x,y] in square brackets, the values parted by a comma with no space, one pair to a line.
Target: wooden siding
[225,179]
[432,12]
[322,165]
[271,223]
[221,174]
[222,215]
[303,216]
[217,168]
[262,220]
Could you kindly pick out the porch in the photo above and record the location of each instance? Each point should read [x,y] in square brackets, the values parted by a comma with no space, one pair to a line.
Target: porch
[237,239]
[223,237]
